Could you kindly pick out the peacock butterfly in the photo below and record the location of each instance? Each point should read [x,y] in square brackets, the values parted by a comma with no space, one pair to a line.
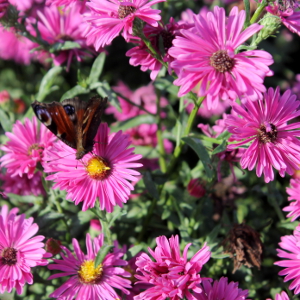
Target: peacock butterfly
[73,121]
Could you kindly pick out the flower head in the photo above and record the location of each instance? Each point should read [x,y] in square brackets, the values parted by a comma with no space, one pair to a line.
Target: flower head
[25,149]
[294,194]
[281,296]
[19,250]
[206,55]
[263,124]
[290,253]
[105,174]
[86,281]
[221,289]
[108,18]
[172,276]
[60,27]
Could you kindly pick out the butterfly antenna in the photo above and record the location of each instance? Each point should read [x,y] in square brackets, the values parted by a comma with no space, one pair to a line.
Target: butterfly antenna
[62,157]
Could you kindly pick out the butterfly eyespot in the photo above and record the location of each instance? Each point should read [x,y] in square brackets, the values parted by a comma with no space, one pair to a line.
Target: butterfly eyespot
[43,115]
[69,109]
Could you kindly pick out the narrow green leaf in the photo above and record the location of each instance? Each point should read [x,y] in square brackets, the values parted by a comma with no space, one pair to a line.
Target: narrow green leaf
[133,251]
[213,234]
[6,123]
[136,121]
[150,185]
[202,153]
[74,91]
[47,82]
[106,91]
[222,147]
[101,254]
[97,68]
[224,135]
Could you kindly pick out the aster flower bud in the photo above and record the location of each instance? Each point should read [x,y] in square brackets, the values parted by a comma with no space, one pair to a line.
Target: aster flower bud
[53,246]
[271,24]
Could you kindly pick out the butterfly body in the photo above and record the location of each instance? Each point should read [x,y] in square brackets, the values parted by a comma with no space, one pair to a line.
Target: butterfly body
[73,121]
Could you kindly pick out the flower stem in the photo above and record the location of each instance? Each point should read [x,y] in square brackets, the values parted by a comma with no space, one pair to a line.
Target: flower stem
[247,9]
[187,130]
[160,141]
[258,11]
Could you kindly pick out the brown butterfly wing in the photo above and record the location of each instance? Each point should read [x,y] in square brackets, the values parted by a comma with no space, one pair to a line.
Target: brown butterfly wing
[55,118]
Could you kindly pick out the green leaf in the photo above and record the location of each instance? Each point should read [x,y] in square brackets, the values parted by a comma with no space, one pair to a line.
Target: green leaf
[133,251]
[150,185]
[76,90]
[224,135]
[6,123]
[97,68]
[47,82]
[106,91]
[222,147]
[136,121]
[213,234]
[101,254]
[202,153]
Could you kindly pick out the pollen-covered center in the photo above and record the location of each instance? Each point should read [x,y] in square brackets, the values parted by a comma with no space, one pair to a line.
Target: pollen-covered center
[125,10]
[98,168]
[221,61]
[35,147]
[267,136]
[88,274]
[9,256]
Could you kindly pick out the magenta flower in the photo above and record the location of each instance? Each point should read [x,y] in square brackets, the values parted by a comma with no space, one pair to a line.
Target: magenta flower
[25,149]
[221,289]
[24,5]
[294,194]
[86,281]
[172,276]
[105,174]
[281,296]
[61,2]
[195,188]
[263,124]
[110,17]
[205,55]
[286,11]
[4,97]
[291,255]
[57,27]
[3,7]
[19,250]
[23,185]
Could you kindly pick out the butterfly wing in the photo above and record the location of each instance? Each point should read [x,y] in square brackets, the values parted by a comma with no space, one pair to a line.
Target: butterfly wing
[56,119]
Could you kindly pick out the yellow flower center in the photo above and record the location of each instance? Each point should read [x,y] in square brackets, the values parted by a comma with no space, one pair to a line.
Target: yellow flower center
[98,168]
[88,273]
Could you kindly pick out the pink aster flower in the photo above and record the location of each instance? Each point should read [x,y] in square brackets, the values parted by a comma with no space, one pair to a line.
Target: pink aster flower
[221,289]
[294,194]
[110,17]
[19,250]
[86,281]
[23,185]
[206,55]
[172,276]
[15,47]
[25,149]
[263,125]
[25,5]
[286,10]
[57,27]
[62,2]
[105,174]
[290,253]
[4,97]
[281,296]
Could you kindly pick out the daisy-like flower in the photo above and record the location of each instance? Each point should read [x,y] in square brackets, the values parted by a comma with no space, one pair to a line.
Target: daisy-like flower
[172,276]
[263,124]
[86,281]
[25,149]
[20,250]
[281,296]
[286,10]
[105,174]
[294,194]
[58,27]
[205,55]
[221,289]
[110,17]
[290,253]
[23,185]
